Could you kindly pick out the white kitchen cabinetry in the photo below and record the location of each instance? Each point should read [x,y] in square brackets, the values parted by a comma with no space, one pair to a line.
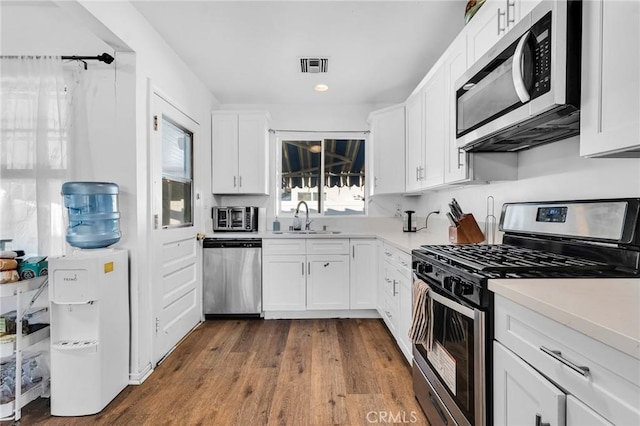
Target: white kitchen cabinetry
[492,21]
[414,110]
[22,296]
[387,134]
[579,414]
[604,380]
[363,272]
[435,126]
[305,274]
[240,147]
[610,96]
[284,279]
[521,395]
[395,291]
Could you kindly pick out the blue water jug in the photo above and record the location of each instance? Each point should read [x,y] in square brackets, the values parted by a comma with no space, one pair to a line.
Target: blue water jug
[94,219]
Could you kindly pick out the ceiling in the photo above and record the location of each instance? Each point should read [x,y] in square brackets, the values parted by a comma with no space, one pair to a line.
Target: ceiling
[247,52]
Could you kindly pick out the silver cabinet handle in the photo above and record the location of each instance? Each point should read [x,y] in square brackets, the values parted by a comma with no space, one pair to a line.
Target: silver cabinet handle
[517,71]
[500,29]
[584,371]
[234,181]
[302,264]
[353,252]
[394,288]
[309,268]
[511,18]
[240,181]
[417,176]
[460,152]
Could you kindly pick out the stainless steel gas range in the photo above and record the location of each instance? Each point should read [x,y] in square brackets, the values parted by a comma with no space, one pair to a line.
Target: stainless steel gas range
[546,240]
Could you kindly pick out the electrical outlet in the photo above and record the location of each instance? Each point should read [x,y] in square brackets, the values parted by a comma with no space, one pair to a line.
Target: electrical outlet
[398,212]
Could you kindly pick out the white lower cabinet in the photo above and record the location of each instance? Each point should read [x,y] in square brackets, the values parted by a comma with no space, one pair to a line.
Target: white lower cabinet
[363,273]
[536,357]
[521,395]
[394,289]
[319,274]
[327,282]
[284,282]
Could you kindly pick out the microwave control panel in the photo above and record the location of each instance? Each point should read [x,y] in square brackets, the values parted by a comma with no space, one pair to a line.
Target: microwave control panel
[541,38]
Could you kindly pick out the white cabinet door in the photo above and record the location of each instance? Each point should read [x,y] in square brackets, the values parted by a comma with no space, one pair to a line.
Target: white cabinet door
[404,317]
[414,109]
[455,159]
[240,147]
[363,272]
[520,393]
[485,28]
[224,138]
[284,283]
[579,414]
[435,126]
[610,97]
[327,282]
[253,154]
[387,129]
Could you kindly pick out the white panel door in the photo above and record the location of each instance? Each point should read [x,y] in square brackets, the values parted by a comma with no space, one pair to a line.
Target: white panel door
[521,394]
[364,274]
[284,282]
[327,281]
[175,270]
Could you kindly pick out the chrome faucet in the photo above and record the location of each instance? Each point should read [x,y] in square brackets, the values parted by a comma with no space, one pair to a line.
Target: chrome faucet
[297,222]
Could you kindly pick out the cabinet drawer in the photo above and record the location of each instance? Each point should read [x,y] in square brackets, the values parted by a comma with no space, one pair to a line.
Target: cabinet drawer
[283,246]
[611,387]
[328,246]
[398,258]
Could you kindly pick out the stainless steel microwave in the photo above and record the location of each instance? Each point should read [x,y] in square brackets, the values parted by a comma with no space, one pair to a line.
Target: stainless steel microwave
[526,90]
[237,219]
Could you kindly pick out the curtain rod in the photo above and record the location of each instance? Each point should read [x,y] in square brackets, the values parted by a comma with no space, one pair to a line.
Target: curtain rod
[320,131]
[105,57]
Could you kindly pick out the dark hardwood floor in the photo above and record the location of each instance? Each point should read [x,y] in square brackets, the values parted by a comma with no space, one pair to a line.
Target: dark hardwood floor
[259,372]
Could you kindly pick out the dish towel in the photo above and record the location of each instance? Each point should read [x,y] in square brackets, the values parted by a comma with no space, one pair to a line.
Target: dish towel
[421,331]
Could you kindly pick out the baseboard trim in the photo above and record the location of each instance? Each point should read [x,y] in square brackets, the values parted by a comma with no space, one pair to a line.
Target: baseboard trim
[362,313]
[141,376]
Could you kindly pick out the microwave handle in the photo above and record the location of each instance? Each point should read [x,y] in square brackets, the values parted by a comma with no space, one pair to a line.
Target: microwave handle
[516,70]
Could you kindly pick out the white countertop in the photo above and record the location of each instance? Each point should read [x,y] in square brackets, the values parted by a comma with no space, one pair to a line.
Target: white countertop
[405,241]
[607,310]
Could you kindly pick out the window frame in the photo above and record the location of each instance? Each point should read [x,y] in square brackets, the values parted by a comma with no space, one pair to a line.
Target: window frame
[312,136]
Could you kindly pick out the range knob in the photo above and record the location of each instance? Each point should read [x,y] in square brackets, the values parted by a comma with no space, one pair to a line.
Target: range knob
[463,288]
[424,268]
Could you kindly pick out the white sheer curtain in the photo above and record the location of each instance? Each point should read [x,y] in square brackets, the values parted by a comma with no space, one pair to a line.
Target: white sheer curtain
[35,151]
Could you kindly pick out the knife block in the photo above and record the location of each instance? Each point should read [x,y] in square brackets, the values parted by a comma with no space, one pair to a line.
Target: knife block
[466,232]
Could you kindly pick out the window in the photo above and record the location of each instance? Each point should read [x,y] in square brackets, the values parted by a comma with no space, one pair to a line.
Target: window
[327,174]
[177,175]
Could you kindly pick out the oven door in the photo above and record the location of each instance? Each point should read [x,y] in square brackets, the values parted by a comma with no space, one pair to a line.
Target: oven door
[237,218]
[455,363]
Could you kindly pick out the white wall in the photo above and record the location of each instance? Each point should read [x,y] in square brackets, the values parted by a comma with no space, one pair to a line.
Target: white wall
[145,60]
[551,172]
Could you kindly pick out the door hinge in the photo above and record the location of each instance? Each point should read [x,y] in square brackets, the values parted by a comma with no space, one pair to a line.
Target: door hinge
[157,324]
[155,123]
[156,220]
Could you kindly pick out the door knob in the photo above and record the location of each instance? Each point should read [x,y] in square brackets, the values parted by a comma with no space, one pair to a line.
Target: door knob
[199,236]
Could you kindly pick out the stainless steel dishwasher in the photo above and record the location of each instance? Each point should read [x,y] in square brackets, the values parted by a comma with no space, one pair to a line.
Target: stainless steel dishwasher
[232,277]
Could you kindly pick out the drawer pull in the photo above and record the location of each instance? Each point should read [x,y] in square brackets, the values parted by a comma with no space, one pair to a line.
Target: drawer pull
[584,371]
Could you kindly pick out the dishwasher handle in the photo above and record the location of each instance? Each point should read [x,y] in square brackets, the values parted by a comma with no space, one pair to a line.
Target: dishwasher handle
[232,243]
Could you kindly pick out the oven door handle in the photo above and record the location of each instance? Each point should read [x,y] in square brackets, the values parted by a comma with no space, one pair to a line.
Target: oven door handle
[467,312]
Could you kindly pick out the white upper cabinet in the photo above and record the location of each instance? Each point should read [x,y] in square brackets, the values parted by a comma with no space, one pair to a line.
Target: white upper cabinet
[387,131]
[455,159]
[493,20]
[610,97]
[414,110]
[240,143]
[436,115]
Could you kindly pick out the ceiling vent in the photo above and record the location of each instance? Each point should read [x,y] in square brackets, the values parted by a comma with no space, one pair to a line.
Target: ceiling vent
[314,65]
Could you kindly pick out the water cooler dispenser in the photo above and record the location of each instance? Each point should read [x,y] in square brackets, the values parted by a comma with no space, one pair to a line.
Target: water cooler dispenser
[89,306]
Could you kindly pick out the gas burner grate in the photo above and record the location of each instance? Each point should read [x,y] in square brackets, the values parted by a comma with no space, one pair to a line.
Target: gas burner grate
[505,259]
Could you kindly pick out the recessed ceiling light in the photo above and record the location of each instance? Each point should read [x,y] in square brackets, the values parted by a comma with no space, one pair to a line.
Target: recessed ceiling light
[321,88]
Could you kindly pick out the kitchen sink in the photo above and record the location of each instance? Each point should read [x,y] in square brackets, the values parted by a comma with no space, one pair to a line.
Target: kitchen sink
[307,232]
